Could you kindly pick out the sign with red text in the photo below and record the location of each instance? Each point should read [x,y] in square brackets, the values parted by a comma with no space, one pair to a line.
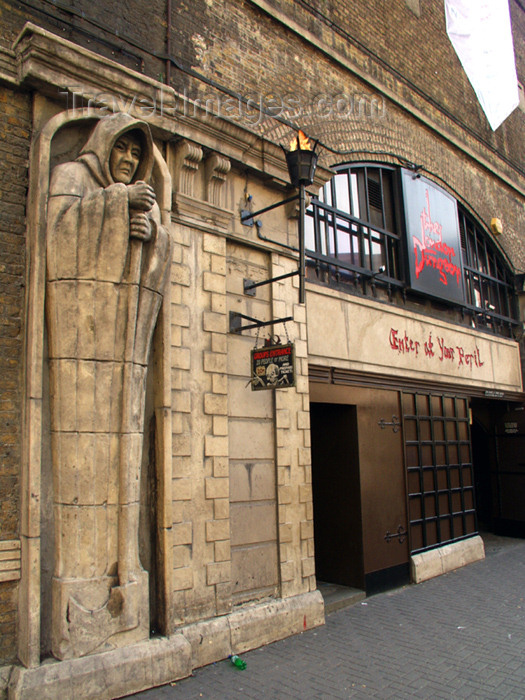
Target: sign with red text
[273,367]
[436,348]
[369,337]
[433,240]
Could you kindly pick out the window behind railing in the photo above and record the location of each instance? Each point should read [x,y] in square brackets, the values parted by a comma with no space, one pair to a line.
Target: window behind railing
[488,282]
[354,236]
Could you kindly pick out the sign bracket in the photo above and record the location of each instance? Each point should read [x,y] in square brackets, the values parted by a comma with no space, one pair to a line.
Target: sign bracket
[236,319]
[248,217]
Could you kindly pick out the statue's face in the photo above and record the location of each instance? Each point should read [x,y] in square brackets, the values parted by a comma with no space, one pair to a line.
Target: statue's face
[124,158]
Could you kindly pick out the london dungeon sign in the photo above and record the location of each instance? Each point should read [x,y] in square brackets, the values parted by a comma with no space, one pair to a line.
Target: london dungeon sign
[433,239]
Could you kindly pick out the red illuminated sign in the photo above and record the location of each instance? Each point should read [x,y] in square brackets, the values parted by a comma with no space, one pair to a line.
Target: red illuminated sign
[434,245]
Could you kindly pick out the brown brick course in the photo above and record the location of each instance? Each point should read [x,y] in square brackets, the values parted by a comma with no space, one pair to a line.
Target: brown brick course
[15,126]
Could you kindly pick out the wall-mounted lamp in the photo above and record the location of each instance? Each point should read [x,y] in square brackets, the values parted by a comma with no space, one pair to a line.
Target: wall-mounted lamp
[301,160]
[380,271]
[519,281]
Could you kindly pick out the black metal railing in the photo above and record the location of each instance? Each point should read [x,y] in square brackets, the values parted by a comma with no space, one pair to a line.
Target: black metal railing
[349,249]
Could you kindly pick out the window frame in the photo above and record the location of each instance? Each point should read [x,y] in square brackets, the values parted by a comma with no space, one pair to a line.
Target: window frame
[473,252]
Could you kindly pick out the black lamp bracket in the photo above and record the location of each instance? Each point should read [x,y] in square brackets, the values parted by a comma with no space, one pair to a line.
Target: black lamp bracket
[247,216]
[236,319]
[249,286]
[301,168]
[519,281]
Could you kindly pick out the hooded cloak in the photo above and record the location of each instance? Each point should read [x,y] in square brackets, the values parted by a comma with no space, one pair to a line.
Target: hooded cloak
[103,293]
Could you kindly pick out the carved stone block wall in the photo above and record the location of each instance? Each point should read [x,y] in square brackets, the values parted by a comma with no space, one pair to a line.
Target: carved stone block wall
[201,580]
[217,169]
[187,157]
[254,537]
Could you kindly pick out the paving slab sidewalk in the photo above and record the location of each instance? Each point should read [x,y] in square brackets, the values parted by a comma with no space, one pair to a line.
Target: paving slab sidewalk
[461,635]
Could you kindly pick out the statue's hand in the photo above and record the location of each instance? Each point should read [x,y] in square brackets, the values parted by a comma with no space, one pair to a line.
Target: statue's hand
[141,196]
[140,227]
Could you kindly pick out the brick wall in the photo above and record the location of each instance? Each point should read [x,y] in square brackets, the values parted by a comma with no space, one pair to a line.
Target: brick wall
[236,44]
[14,148]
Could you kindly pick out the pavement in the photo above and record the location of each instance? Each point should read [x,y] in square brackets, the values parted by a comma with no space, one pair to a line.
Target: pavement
[461,635]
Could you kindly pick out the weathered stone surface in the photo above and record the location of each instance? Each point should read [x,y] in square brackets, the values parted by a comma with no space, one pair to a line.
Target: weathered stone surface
[447,558]
[209,640]
[254,626]
[256,570]
[108,675]
[5,674]
[252,480]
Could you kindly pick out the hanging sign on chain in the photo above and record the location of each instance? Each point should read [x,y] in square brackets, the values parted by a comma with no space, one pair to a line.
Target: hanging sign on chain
[273,366]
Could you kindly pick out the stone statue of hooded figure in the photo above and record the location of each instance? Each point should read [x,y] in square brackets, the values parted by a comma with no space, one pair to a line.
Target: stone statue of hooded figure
[107,263]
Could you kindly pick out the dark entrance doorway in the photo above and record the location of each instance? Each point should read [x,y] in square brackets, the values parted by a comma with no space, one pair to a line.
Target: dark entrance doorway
[336,495]
[498,442]
[484,461]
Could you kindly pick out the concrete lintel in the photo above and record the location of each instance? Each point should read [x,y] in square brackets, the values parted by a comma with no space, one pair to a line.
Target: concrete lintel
[441,560]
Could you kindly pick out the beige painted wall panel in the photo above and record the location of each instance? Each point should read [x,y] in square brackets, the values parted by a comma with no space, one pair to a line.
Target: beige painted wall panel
[245,403]
[251,439]
[252,481]
[372,337]
[252,523]
[328,332]
[254,568]
[239,348]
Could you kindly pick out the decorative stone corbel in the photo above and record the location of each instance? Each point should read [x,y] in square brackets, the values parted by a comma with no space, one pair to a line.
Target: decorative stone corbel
[188,156]
[217,168]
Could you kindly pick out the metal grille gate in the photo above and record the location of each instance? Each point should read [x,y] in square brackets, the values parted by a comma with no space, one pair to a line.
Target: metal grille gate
[438,454]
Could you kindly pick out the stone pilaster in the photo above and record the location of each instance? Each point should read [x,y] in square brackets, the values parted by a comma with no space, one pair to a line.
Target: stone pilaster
[201,530]
[255,570]
[292,421]
[214,366]
[181,310]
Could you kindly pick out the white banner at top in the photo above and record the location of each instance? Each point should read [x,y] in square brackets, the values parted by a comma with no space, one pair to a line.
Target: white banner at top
[480,31]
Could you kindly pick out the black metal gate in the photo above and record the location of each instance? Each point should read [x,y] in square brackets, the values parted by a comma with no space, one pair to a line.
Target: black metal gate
[438,454]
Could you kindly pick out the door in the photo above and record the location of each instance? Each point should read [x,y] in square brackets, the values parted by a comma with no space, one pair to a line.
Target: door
[510,437]
[383,489]
[439,468]
[359,487]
